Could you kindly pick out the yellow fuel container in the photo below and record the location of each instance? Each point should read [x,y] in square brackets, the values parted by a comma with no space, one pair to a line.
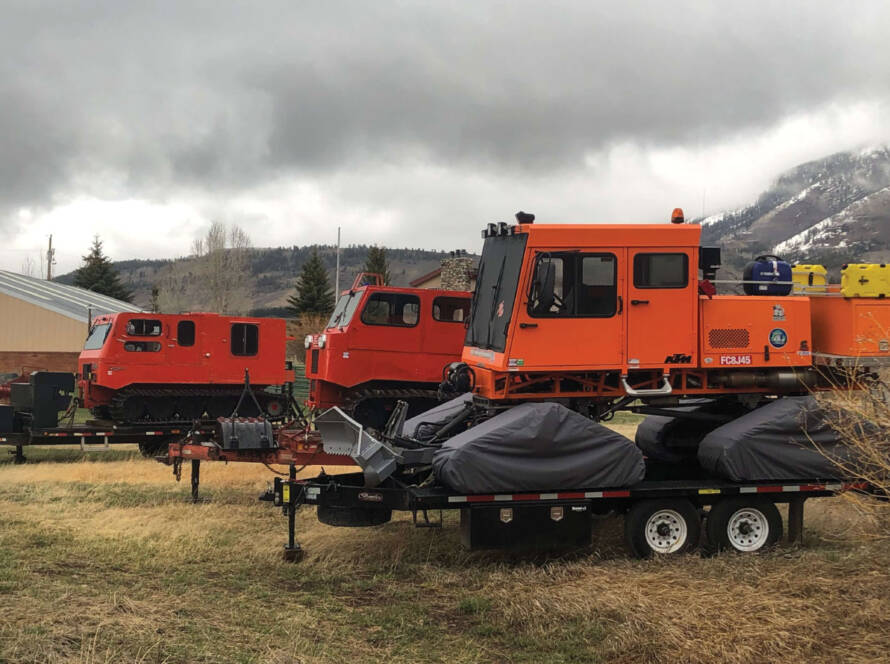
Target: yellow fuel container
[809,279]
[865,280]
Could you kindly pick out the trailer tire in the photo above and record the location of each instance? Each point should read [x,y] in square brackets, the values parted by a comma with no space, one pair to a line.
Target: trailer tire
[352,517]
[662,527]
[743,525]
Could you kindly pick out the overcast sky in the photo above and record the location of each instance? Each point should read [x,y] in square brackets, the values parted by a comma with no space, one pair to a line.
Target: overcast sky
[412,123]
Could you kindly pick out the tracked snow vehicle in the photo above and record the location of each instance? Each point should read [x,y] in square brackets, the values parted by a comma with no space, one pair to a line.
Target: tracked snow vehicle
[169,368]
[383,344]
[572,323]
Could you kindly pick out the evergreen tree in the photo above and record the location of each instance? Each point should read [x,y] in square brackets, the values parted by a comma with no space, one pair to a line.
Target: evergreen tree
[376,263]
[313,293]
[98,274]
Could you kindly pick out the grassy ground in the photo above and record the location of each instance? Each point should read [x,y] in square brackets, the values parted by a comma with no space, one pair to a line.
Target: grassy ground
[102,559]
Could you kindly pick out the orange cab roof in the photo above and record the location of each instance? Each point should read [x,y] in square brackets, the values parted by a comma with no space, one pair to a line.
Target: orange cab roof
[611,235]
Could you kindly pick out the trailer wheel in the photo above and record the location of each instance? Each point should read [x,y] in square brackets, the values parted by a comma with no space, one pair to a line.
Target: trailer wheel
[352,517]
[744,525]
[662,527]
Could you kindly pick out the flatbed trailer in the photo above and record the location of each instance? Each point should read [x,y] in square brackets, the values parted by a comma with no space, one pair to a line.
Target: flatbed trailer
[94,436]
[660,515]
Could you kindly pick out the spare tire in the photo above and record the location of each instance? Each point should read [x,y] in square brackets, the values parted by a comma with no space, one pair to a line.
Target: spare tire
[353,517]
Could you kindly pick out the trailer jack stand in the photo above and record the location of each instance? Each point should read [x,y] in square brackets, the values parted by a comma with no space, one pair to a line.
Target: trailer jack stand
[19,455]
[293,552]
[426,522]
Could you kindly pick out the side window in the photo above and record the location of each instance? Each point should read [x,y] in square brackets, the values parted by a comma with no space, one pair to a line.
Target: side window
[185,333]
[245,339]
[142,346]
[548,289]
[451,309]
[597,293]
[574,285]
[393,309]
[661,271]
[143,327]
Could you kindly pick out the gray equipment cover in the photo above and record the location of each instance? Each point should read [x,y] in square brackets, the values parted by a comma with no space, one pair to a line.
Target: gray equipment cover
[437,416]
[674,439]
[778,441]
[535,447]
[652,437]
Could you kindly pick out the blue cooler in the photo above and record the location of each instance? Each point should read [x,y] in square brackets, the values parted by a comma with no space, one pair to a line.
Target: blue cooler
[762,274]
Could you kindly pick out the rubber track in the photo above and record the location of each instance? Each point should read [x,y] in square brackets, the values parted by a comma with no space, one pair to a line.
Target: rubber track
[117,401]
[353,399]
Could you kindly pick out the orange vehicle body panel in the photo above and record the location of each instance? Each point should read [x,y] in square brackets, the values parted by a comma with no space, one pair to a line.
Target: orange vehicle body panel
[360,352]
[740,331]
[660,327]
[854,327]
[130,357]
[661,321]
[664,327]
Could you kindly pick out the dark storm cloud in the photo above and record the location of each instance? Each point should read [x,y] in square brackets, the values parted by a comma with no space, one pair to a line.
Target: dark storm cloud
[146,97]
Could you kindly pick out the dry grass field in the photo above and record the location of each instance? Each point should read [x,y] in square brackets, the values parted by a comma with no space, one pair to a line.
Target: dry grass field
[103,559]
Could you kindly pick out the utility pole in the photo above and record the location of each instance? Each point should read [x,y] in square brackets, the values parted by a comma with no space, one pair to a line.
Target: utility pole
[50,259]
[337,273]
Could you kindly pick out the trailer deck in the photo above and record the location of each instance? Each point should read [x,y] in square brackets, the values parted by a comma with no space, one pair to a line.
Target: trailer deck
[531,519]
[93,436]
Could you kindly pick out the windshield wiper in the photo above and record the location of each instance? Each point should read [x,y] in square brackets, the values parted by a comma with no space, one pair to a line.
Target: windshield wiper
[334,323]
[472,321]
[494,302]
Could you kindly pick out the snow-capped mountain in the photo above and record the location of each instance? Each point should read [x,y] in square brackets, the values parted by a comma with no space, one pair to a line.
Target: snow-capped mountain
[831,211]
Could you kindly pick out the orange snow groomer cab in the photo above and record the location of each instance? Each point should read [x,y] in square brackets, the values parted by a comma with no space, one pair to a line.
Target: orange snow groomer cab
[608,312]
[384,344]
[145,366]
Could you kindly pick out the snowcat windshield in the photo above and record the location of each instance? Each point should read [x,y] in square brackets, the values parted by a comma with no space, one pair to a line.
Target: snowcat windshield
[97,337]
[495,291]
[345,308]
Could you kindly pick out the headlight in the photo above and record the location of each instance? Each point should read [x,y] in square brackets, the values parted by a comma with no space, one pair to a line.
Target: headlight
[322,340]
[307,342]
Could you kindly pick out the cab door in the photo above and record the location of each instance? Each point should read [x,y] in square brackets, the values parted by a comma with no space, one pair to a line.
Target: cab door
[385,340]
[571,312]
[662,298]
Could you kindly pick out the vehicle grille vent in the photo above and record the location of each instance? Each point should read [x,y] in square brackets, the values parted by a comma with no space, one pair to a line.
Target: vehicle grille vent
[729,337]
[313,365]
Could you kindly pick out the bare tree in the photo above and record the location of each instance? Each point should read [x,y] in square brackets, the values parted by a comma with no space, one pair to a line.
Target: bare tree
[28,267]
[219,274]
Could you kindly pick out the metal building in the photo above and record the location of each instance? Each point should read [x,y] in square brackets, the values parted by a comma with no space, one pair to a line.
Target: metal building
[43,324]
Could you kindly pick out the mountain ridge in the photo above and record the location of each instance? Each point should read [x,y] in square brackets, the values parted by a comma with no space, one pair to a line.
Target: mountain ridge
[832,211]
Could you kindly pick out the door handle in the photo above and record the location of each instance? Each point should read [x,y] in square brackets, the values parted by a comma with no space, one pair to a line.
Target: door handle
[525,325]
[639,301]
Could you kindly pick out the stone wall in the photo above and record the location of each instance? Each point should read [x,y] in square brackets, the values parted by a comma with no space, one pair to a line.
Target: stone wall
[457,273]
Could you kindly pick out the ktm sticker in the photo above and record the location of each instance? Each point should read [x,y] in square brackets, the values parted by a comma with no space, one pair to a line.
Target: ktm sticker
[735,360]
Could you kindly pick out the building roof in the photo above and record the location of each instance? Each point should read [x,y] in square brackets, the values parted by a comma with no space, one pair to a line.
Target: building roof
[70,301]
